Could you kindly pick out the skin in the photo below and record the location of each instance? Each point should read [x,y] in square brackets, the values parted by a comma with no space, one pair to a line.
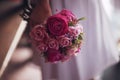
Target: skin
[40,13]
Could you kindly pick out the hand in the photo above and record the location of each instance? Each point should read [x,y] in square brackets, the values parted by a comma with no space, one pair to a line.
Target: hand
[40,13]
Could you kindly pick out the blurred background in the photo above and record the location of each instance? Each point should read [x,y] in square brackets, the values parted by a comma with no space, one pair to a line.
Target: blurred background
[99,54]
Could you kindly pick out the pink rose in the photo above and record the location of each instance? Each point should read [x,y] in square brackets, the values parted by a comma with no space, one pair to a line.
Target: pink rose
[78,50]
[42,47]
[79,27]
[66,58]
[38,33]
[54,55]
[79,47]
[52,43]
[71,51]
[64,41]
[57,25]
[75,30]
[68,14]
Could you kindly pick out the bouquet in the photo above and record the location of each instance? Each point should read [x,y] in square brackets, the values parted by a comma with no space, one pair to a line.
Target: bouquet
[60,38]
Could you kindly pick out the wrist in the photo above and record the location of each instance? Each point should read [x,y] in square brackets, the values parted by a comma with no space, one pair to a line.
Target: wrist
[44,4]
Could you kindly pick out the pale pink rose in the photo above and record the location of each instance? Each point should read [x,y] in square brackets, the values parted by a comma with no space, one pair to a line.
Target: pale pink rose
[75,30]
[38,33]
[42,47]
[53,43]
[71,51]
[79,47]
[64,41]
[65,58]
[53,55]
[78,50]
[79,27]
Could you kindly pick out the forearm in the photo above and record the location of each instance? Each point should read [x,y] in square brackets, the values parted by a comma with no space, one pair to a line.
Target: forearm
[43,1]
[40,13]
[44,6]
[40,2]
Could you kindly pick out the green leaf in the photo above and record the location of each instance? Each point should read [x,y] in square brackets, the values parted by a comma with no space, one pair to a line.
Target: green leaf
[71,23]
[82,18]
[80,37]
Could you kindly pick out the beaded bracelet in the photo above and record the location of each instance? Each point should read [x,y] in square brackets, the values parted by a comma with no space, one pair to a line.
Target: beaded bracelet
[26,12]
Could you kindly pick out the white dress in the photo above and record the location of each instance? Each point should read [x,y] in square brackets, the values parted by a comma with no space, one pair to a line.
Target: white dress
[98,50]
